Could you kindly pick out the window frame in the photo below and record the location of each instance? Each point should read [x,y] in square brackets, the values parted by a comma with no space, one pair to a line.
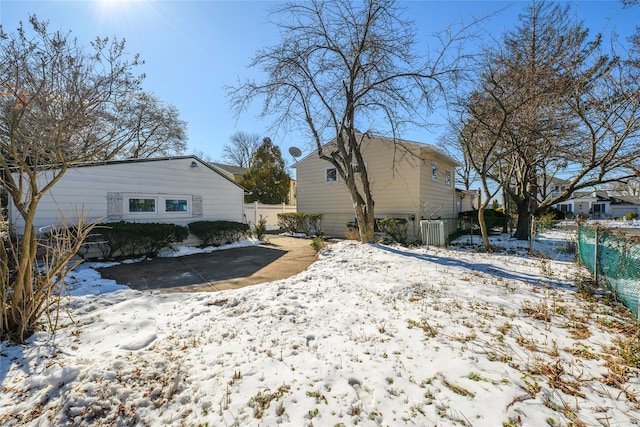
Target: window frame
[565,207]
[356,170]
[141,197]
[176,199]
[160,201]
[326,175]
[434,171]
[447,177]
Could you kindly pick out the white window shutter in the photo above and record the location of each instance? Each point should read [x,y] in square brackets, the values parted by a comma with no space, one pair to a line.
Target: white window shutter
[196,206]
[114,206]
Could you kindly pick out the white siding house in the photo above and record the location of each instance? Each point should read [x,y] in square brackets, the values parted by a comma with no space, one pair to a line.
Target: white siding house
[600,205]
[175,190]
[409,180]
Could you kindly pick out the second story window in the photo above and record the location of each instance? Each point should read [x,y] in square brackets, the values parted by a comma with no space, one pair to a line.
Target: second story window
[357,169]
[447,177]
[330,174]
[434,171]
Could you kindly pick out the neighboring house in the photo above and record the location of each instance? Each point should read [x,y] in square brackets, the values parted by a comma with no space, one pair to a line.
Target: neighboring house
[409,180]
[466,200]
[175,190]
[234,172]
[552,187]
[293,198]
[600,205]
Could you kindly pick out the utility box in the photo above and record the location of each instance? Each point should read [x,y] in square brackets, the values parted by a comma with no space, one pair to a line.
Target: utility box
[433,232]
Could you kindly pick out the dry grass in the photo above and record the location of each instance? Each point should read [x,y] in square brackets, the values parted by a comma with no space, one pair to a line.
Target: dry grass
[261,401]
[352,235]
[539,311]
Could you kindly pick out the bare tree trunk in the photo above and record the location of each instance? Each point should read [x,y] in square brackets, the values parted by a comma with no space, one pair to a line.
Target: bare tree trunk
[505,208]
[523,226]
[482,205]
[36,286]
[366,223]
[484,232]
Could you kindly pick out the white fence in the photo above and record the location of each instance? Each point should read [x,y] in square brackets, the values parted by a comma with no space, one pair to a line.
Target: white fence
[254,211]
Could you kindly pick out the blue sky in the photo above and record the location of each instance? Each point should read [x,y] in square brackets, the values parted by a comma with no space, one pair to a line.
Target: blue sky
[192,49]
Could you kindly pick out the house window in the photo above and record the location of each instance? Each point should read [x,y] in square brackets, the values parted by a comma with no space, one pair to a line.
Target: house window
[176,205]
[331,175]
[157,204]
[356,169]
[434,171]
[447,177]
[565,207]
[142,205]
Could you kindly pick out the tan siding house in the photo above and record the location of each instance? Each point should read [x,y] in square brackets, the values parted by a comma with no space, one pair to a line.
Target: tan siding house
[176,190]
[409,180]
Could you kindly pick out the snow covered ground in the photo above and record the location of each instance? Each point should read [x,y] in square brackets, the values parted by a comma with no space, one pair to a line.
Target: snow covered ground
[368,335]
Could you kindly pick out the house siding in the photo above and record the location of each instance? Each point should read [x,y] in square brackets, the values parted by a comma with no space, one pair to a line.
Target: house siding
[439,199]
[98,191]
[396,177]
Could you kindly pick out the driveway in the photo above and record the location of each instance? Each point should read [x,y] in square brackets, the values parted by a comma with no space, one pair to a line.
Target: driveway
[279,258]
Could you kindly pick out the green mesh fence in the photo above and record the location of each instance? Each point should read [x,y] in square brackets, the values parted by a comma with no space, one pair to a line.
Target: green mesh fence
[617,263]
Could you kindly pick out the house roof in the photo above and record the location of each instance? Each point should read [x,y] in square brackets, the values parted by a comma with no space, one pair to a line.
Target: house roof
[159,159]
[556,180]
[603,196]
[429,148]
[234,170]
[471,192]
[625,200]
[598,195]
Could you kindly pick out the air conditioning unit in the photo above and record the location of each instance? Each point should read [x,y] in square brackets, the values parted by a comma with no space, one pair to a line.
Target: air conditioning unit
[433,232]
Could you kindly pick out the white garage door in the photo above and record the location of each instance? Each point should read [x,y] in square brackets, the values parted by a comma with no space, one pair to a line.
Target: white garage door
[620,211]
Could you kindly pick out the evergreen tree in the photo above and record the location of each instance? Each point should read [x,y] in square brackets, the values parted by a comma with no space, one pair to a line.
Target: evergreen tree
[267,178]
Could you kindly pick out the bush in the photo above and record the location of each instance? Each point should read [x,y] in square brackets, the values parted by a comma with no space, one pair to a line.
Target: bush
[126,239]
[317,244]
[552,214]
[216,233]
[631,216]
[493,218]
[301,222]
[260,228]
[396,228]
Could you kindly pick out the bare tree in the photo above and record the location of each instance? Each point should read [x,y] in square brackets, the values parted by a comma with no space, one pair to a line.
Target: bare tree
[202,155]
[481,140]
[60,104]
[450,143]
[155,129]
[340,66]
[242,148]
[630,187]
[566,106]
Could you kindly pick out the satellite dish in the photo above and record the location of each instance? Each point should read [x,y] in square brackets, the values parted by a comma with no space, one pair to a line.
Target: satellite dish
[295,152]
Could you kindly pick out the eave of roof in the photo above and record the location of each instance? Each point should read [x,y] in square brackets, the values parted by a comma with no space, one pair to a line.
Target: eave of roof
[154,159]
[437,152]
